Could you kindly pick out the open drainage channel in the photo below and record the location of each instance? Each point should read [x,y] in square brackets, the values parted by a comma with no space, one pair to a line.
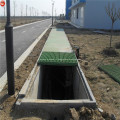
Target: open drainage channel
[58,84]
[55,88]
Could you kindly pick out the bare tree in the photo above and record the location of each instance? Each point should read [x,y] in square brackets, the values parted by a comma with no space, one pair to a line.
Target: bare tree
[21,11]
[113,13]
[30,10]
[26,10]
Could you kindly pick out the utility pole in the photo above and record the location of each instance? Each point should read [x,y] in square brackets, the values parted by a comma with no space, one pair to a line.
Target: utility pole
[26,13]
[55,15]
[14,4]
[30,11]
[9,52]
[21,11]
[52,11]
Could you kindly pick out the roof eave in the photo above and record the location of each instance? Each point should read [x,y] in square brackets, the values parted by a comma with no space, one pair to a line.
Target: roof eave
[77,4]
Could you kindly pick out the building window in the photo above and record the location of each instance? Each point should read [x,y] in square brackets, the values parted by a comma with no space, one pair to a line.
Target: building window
[74,13]
[77,13]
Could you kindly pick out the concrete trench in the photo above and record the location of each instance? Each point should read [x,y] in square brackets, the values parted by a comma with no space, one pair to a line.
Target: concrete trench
[45,91]
[57,83]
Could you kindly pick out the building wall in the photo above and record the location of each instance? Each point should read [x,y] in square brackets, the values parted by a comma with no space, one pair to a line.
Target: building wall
[68,4]
[80,20]
[94,15]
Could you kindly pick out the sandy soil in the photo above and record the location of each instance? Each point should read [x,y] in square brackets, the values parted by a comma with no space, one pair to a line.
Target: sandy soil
[105,89]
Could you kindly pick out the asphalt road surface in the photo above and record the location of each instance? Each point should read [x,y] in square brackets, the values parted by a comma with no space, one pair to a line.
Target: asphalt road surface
[23,37]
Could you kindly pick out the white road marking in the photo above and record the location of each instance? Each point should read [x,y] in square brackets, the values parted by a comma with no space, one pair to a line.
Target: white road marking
[23,31]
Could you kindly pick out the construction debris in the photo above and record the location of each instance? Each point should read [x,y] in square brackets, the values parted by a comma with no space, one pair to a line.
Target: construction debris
[88,114]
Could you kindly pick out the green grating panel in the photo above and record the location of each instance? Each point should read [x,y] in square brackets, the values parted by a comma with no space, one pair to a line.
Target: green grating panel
[57,58]
[112,70]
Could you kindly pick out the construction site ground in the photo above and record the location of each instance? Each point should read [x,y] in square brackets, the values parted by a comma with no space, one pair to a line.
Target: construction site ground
[105,89]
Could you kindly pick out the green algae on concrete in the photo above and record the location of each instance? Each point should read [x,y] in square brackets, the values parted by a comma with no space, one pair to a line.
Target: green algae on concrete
[57,50]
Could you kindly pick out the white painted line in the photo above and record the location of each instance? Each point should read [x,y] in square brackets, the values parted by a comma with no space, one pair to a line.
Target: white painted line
[19,61]
[24,25]
[23,31]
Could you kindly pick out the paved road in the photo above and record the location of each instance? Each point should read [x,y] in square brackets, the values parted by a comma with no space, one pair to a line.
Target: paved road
[23,38]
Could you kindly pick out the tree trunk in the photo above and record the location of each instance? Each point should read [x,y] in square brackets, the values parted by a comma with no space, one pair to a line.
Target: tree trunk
[111,35]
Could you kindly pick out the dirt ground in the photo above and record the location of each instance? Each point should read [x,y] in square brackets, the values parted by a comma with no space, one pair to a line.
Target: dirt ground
[105,89]
[18,21]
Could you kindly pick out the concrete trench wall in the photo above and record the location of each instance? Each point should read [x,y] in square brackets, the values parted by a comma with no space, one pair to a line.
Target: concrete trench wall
[79,89]
[82,94]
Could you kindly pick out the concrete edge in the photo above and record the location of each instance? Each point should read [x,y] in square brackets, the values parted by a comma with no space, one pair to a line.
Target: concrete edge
[19,61]
[25,88]
[48,105]
[40,101]
[23,100]
[74,25]
[86,83]
[25,25]
[53,108]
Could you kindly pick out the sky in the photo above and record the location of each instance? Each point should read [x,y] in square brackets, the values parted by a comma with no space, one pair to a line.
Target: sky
[41,7]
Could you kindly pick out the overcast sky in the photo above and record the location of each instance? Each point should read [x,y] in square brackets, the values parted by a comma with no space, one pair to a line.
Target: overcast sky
[39,6]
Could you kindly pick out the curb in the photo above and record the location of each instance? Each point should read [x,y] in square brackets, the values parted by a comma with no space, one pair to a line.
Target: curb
[19,61]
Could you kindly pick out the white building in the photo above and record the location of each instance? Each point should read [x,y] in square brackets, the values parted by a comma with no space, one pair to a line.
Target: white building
[92,14]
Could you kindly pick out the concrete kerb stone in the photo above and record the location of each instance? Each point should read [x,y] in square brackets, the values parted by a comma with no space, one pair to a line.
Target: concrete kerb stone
[19,61]
[25,88]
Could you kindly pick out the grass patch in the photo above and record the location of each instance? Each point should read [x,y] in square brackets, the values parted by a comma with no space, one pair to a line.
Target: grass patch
[112,70]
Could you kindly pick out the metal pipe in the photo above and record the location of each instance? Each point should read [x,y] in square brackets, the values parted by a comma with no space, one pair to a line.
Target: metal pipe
[9,52]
